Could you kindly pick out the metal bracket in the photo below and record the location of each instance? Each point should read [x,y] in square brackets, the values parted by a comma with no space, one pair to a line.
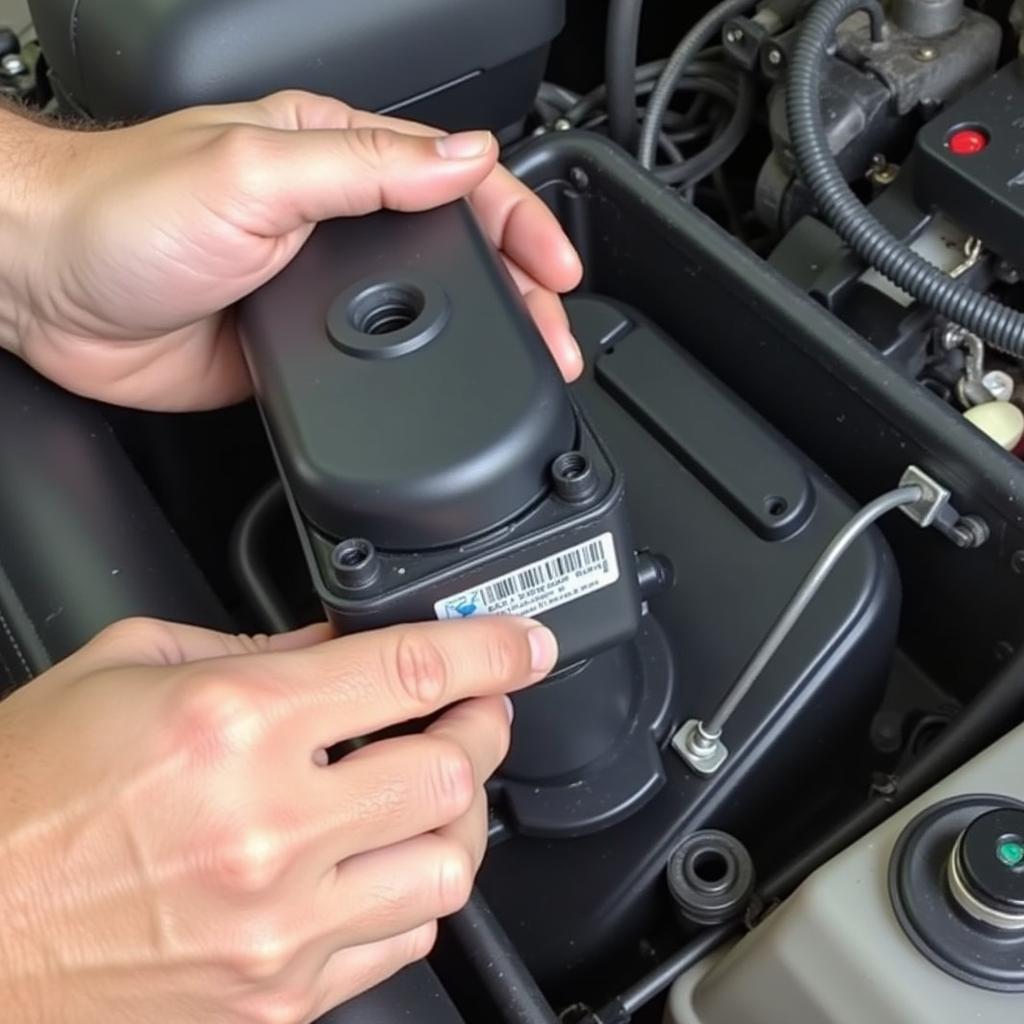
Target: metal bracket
[704,753]
[934,509]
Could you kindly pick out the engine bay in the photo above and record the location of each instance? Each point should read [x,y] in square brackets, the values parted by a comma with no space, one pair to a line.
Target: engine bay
[777,524]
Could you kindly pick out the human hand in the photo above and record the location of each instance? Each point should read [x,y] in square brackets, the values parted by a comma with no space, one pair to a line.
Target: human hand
[175,847]
[141,238]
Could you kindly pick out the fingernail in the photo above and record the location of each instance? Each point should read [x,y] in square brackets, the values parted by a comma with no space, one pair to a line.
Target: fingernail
[464,145]
[510,708]
[543,649]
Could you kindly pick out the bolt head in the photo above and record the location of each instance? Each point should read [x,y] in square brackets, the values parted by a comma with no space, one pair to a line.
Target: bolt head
[13,65]
[999,384]
[775,56]
[734,35]
[562,125]
[926,53]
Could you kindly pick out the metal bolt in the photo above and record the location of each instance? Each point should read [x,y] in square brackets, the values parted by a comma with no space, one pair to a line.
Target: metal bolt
[970,532]
[999,384]
[13,65]
[1017,562]
[562,125]
[704,752]
[579,178]
[775,56]
[926,53]
[734,35]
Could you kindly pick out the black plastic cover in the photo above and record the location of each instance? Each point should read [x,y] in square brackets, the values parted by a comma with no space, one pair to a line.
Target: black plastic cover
[417,436]
[983,191]
[457,63]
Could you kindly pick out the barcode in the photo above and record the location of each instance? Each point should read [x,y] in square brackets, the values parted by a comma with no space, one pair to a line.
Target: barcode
[546,584]
[552,571]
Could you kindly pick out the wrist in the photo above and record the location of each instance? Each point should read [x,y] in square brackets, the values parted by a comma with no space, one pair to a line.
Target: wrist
[26,203]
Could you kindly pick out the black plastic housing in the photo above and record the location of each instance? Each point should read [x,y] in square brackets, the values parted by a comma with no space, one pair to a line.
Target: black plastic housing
[428,444]
[982,191]
[454,63]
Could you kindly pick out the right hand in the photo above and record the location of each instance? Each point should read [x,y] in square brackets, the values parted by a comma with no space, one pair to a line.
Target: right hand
[175,848]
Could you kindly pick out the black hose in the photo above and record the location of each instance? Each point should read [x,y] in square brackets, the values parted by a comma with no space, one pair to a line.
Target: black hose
[253,534]
[488,948]
[684,54]
[1000,326]
[620,69]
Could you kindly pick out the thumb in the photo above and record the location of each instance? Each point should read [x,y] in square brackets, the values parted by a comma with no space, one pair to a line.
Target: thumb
[297,178]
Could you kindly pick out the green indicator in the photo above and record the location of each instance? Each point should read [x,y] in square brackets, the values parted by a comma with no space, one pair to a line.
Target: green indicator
[1011,853]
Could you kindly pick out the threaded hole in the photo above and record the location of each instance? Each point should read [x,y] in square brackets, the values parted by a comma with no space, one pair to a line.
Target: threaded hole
[572,466]
[776,506]
[354,554]
[386,309]
[710,866]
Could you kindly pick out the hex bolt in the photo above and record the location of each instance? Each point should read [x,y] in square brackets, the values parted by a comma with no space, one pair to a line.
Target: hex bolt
[774,56]
[734,35]
[926,53]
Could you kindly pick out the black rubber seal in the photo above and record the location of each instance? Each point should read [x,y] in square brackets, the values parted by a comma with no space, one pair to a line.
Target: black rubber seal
[935,923]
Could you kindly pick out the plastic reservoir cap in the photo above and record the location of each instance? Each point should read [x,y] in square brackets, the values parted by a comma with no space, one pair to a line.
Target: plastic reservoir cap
[1001,421]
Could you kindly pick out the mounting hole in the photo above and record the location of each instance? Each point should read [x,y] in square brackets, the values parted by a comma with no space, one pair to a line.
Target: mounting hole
[710,866]
[356,565]
[353,554]
[574,477]
[776,507]
[386,308]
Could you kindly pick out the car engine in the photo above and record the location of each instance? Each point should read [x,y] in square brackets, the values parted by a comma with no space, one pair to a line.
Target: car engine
[777,526]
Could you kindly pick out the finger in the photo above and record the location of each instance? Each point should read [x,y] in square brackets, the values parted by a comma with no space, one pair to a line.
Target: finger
[350,972]
[143,641]
[552,321]
[286,180]
[358,685]
[516,220]
[394,790]
[391,891]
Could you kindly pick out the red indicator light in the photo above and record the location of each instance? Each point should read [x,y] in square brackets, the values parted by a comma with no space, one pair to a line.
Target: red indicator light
[967,142]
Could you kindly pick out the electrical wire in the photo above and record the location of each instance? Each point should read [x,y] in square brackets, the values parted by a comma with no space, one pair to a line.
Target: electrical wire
[676,67]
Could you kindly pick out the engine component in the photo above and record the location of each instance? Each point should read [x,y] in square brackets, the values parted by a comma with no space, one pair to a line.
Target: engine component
[996,323]
[969,166]
[953,860]
[438,469]
[456,63]
[874,92]
[700,743]
[749,503]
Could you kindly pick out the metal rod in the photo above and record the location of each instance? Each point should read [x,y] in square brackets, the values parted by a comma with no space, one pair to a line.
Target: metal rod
[812,583]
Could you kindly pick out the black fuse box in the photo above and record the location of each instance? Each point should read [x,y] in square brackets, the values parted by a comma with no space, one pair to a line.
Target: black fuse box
[969,163]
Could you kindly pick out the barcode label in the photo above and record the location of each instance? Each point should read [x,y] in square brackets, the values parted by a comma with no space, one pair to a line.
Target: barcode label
[537,588]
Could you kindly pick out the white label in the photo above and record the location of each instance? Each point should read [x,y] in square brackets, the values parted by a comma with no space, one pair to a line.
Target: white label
[549,583]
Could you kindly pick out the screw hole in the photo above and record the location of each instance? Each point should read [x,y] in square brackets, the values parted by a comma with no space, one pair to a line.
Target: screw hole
[385,309]
[776,506]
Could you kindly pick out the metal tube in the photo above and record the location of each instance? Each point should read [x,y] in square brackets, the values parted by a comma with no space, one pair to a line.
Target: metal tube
[812,583]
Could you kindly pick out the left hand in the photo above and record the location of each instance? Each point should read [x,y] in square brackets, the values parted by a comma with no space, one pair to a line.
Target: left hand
[144,237]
